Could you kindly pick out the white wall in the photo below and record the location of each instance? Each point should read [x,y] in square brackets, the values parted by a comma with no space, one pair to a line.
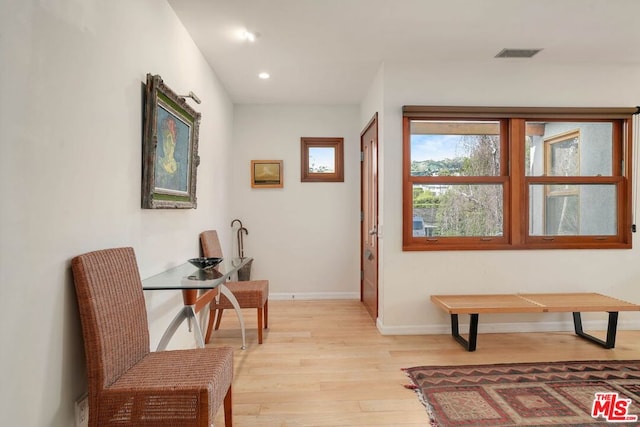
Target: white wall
[410,277]
[70,172]
[304,237]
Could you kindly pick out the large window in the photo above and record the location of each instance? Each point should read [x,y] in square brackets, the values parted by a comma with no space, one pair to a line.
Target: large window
[499,178]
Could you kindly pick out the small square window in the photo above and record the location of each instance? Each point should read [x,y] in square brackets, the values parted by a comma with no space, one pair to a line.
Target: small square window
[322,159]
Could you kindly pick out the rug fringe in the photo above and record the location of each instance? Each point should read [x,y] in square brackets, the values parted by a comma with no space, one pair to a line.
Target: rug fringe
[427,406]
[418,391]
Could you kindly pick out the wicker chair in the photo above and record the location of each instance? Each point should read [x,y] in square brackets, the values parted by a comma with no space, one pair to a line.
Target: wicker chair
[250,293]
[128,384]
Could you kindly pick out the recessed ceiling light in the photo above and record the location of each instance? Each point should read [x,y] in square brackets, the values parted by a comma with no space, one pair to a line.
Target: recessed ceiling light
[248,36]
[517,53]
[264,76]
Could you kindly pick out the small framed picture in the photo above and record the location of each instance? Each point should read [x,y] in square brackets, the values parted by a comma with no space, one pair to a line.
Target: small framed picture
[266,174]
[322,159]
[170,148]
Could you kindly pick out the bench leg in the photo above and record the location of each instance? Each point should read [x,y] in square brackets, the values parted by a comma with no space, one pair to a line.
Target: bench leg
[611,330]
[470,344]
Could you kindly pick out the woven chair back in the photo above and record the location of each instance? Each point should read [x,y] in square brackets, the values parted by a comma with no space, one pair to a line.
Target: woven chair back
[210,244]
[112,312]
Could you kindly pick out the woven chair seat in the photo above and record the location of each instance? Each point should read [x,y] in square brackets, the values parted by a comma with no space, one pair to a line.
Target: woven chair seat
[169,387]
[250,294]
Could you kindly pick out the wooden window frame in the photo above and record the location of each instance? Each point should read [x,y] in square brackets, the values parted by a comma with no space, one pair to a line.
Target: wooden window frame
[338,146]
[516,183]
[549,144]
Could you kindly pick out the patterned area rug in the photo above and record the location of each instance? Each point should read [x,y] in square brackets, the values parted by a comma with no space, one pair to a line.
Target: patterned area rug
[586,393]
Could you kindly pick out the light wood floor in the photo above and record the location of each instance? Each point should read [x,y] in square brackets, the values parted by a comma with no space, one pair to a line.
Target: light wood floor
[324,363]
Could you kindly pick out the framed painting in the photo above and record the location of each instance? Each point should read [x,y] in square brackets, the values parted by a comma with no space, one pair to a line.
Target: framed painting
[322,159]
[266,174]
[170,149]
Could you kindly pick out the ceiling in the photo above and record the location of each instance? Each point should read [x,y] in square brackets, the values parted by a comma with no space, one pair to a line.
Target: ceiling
[328,51]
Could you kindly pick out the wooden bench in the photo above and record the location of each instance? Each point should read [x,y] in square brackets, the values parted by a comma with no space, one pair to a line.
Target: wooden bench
[576,303]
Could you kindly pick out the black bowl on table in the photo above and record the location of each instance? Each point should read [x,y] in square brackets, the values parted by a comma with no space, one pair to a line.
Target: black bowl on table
[205,263]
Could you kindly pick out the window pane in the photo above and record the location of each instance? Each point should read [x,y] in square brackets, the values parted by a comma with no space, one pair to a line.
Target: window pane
[578,210]
[322,160]
[455,148]
[568,148]
[457,210]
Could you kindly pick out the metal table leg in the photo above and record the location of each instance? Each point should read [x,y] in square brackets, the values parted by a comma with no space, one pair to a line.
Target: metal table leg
[186,313]
[234,302]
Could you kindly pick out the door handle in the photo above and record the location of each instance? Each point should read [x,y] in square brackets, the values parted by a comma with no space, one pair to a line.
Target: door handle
[368,254]
[373,231]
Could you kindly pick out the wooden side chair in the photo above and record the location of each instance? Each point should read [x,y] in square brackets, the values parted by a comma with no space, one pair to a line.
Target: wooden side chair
[250,293]
[129,384]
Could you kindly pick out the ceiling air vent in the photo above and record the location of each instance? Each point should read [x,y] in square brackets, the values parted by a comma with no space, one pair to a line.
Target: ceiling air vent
[517,53]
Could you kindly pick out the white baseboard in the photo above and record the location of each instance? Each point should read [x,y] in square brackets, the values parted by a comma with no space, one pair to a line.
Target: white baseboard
[439,329]
[594,325]
[313,296]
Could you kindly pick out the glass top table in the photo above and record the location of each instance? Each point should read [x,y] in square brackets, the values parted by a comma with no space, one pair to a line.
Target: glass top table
[199,288]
